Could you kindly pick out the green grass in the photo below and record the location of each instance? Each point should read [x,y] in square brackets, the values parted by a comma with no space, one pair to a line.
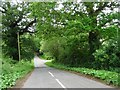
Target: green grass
[109,77]
[12,72]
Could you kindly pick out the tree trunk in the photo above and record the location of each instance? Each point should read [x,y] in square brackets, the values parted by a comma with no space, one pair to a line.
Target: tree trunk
[94,43]
[13,45]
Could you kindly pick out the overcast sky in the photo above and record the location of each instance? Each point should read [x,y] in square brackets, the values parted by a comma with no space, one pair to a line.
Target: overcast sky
[60,5]
[61,0]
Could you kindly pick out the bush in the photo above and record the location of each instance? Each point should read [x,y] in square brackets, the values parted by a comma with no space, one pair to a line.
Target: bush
[72,51]
[11,72]
[52,48]
[46,57]
[106,57]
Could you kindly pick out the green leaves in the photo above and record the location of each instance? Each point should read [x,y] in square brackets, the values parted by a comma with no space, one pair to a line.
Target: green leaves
[16,18]
[106,57]
[11,72]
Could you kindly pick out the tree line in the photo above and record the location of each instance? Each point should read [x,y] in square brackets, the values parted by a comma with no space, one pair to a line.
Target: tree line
[75,34]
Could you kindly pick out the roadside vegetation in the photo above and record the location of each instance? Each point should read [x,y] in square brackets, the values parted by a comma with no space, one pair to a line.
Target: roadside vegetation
[12,71]
[15,66]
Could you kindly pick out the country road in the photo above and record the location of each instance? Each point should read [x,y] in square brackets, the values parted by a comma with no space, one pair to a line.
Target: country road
[47,77]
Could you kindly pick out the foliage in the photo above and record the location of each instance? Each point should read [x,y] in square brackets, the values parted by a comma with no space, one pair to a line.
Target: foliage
[28,46]
[46,57]
[15,19]
[84,34]
[106,57]
[11,71]
[72,33]
[110,77]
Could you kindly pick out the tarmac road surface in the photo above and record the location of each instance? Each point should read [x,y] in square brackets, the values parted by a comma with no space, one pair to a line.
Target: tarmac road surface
[47,77]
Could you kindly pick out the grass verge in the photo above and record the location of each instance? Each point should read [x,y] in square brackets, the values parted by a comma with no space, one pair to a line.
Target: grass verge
[110,78]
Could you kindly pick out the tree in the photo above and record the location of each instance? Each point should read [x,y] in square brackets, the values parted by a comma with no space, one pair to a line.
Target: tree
[82,25]
[97,22]
[93,17]
[15,18]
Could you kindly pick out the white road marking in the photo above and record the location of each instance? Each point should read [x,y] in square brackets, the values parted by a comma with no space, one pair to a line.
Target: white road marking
[60,83]
[51,74]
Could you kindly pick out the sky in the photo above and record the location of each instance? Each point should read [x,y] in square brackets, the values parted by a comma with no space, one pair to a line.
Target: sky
[60,4]
[60,0]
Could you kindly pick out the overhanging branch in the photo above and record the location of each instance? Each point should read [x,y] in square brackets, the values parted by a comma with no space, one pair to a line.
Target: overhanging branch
[23,30]
[100,8]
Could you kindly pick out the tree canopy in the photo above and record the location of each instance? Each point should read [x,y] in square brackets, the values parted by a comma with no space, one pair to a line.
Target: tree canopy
[15,19]
[76,34]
